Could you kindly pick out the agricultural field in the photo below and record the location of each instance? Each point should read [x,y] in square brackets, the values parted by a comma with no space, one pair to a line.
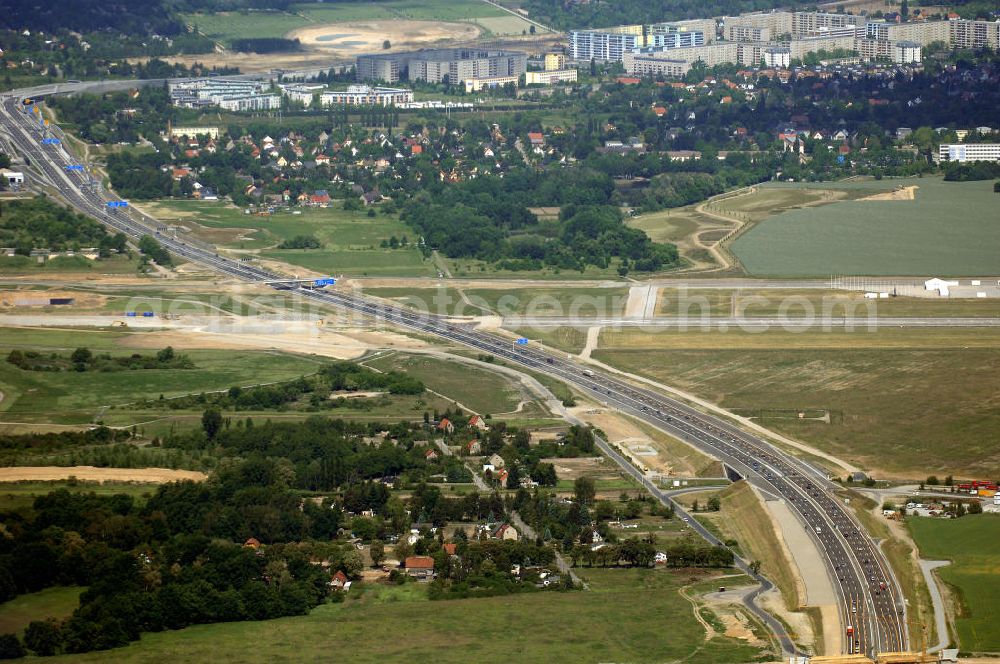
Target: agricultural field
[620,618]
[351,239]
[899,403]
[881,237]
[973,576]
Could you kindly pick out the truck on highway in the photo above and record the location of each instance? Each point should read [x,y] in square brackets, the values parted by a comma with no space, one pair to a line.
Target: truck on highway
[850,630]
[588,373]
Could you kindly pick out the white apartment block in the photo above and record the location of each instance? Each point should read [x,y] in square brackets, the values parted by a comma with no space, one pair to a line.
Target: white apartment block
[601,46]
[549,77]
[655,65]
[302,93]
[801,47]
[779,57]
[364,95]
[923,33]
[808,24]
[974,34]
[777,23]
[268,102]
[906,52]
[969,152]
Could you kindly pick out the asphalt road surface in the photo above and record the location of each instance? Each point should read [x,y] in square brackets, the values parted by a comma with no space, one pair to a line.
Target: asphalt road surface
[870,599]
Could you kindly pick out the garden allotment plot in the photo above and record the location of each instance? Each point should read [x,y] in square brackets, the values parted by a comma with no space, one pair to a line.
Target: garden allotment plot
[949,229]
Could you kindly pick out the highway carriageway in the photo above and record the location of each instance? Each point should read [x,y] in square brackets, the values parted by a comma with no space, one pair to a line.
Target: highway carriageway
[870,597]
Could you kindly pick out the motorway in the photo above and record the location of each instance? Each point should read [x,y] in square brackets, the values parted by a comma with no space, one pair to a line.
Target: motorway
[723,323]
[870,598]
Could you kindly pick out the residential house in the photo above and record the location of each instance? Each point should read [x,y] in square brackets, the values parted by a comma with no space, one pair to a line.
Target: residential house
[320,197]
[420,567]
[497,461]
[430,455]
[339,581]
[476,422]
[536,139]
[252,543]
[446,425]
[473,447]
[505,531]
[450,548]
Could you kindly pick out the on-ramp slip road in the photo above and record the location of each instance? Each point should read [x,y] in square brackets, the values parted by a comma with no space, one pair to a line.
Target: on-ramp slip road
[870,598]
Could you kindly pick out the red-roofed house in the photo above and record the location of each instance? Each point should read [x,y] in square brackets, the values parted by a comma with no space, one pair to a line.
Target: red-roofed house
[478,423]
[322,160]
[446,425]
[659,111]
[505,532]
[252,543]
[628,80]
[537,139]
[339,581]
[473,447]
[450,548]
[502,475]
[430,455]
[319,197]
[416,149]
[181,173]
[421,567]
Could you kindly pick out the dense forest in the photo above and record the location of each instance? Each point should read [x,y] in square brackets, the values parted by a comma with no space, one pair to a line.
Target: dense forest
[488,219]
[173,562]
[41,224]
[128,16]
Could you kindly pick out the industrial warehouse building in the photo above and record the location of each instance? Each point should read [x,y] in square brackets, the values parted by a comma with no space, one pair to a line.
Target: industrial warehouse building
[449,65]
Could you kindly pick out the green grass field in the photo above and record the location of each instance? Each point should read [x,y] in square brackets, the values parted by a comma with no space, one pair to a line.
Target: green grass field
[77,398]
[351,239]
[904,403]
[628,615]
[23,265]
[18,495]
[57,602]
[481,390]
[948,230]
[974,575]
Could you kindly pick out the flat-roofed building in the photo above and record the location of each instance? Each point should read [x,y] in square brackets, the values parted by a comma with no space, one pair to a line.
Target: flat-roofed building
[555,61]
[549,77]
[486,82]
[448,65]
[963,152]
[973,34]
[906,52]
[364,95]
[191,132]
[602,46]
[655,65]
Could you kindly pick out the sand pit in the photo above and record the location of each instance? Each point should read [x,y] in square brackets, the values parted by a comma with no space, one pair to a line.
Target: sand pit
[19,298]
[94,474]
[898,194]
[356,37]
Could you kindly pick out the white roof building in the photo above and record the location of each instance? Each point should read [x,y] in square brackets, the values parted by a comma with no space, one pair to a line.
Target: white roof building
[942,286]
